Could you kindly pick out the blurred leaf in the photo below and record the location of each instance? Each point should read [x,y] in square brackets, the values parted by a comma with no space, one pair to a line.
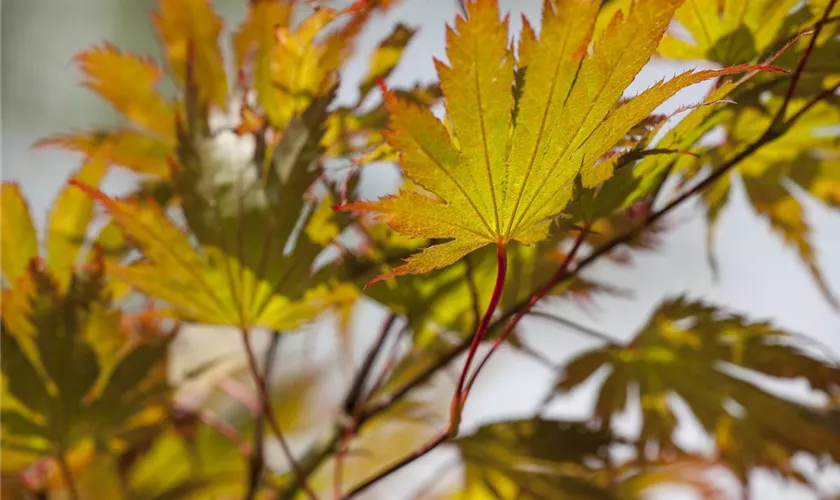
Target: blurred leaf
[256,38]
[385,57]
[128,82]
[19,241]
[124,147]
[189,30]
[57,377]
[533,459]
[733,31]
[202,466]
[69,220]
[807,155]
[255,35]
[301,68]
[728,31]
[688,342]
[254,267]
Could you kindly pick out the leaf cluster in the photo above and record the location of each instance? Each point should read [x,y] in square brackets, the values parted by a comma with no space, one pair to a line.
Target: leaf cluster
[249,214]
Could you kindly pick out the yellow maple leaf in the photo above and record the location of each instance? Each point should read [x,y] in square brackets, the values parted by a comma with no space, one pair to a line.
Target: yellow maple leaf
[506,170]
[208,286]
[190,32]
[728,31]
[128,83]
[127,148]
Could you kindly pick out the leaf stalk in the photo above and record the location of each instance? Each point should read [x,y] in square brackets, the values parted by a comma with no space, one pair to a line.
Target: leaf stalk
[456,407]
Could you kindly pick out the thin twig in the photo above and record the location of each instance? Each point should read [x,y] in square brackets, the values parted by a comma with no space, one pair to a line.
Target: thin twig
[813,102]
[256,463]
[351,401]
[67,475]
[572,325]
[501,272]
[354,398]
[319,453]
[455,409]
[313,459]
[542,292]
[259,381]
[800,68]
[390,361]
[424,450]
[338,467]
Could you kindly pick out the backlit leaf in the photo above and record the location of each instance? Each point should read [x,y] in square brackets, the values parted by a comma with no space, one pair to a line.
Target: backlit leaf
[497,179]
[255,40]
[252,268]
[69,219]
[122,147]
[806,155]
[128,83]
[19,241]
[66,384]
[301,68]
[689,341]
[189,30]
[727,31]
[385,57]
[546,459]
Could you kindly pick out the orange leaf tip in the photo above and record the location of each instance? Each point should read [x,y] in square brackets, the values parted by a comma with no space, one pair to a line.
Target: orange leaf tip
[356,7]
[771,68]
[89,190]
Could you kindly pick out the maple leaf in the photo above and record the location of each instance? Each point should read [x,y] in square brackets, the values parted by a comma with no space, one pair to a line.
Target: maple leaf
[500,178]
[685,342]
[67,227]
[128,82]
[385,58]
[70,372]
[124,147]
[189,30]
[540,459]
[251,269]
[806,155]
[728,31]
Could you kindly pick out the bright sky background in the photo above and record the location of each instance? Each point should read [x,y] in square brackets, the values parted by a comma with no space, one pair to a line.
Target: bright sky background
[758,276]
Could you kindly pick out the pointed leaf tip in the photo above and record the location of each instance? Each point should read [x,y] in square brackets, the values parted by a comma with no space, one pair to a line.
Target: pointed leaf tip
[90,190]
[357,7]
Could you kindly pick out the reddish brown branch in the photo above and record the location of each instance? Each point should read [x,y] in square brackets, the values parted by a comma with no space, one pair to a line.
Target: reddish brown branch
[268,414]
[458,397]
[351,401]
[800,68]
[256,462]
[320,453]
[455,410]
[549,285]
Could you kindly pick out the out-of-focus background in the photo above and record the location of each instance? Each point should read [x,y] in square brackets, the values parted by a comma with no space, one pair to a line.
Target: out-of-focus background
[757,275]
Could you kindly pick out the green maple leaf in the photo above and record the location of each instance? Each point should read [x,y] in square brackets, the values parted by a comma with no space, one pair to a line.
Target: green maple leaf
[506,169]
[69,372]
[697,353]
[541,459]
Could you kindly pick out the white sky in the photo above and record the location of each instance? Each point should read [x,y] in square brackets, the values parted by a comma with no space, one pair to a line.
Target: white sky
[758,276]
